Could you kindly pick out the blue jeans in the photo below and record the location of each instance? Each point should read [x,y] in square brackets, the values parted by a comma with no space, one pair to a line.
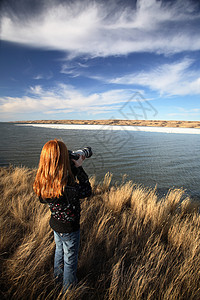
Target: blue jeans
[66,257]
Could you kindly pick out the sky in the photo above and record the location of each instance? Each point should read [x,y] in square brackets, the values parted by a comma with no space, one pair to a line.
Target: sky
[114,59]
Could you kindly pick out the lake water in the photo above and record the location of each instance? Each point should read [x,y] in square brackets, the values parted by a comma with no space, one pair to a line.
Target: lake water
[150,156]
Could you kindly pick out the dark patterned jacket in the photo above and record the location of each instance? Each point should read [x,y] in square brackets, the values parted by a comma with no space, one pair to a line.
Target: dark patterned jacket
[65,210]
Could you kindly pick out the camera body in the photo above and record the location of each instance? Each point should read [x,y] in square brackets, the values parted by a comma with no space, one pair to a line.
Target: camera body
[86,152]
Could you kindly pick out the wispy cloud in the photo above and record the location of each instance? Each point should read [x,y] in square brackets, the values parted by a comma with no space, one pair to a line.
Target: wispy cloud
[38,77]
[64,99]
[172,79]
[182,112]
[97,29]
[43,76]
[73,68]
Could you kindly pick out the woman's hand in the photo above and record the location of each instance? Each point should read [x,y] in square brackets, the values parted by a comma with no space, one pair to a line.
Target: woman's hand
[79,161]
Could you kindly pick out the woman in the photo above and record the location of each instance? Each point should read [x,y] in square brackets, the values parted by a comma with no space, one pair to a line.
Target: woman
[55,185]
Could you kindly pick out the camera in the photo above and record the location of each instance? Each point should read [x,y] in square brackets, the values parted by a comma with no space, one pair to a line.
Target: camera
[87,152]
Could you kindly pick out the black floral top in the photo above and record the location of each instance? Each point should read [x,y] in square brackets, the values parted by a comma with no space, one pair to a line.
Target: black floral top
[65,210]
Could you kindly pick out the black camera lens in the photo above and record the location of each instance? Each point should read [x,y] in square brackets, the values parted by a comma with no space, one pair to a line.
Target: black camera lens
[87,152]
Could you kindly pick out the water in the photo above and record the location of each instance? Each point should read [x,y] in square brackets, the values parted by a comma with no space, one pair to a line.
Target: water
[148,158]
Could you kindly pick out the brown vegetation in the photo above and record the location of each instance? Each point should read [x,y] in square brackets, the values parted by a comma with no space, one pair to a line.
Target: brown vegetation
[151,123]
[133,245]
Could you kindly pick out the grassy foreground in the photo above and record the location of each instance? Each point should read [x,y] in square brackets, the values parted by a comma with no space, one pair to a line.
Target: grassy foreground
[132,245]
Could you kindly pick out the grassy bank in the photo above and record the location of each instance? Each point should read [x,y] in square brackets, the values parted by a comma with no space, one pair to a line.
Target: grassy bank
[132,245]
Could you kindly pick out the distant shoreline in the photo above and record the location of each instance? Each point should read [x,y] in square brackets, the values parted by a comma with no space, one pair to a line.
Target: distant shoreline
[149,123]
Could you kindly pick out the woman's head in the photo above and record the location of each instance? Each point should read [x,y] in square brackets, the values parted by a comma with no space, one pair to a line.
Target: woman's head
[53,171]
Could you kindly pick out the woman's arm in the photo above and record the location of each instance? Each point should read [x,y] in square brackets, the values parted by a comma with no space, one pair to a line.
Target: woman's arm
[84,187]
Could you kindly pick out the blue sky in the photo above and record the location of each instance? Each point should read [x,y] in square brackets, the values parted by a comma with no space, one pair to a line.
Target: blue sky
[100,60]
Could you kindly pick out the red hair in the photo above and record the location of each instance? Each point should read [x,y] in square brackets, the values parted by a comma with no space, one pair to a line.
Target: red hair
[54,170]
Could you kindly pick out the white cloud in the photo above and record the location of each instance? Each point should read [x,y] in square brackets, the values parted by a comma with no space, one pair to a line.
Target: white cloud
[89,27]
[43,76]
[185,112]
[64,99]
[73,69]
[171,79]
[38,77]
[37,90]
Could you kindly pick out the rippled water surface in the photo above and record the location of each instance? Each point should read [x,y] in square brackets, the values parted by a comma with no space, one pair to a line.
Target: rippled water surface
[150,158]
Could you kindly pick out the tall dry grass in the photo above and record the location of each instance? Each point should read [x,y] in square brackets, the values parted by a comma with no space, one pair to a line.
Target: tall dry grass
[134,245]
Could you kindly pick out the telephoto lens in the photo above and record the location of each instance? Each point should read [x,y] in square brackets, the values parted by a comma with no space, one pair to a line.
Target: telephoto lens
[86,152]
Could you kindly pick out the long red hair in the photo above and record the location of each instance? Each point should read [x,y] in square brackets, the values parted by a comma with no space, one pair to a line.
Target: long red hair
[54,170]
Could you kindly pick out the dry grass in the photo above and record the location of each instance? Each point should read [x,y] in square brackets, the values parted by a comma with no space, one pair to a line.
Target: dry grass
[133,245]
[154,123]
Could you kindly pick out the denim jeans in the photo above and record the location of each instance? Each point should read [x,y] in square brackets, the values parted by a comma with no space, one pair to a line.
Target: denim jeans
[66,258]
